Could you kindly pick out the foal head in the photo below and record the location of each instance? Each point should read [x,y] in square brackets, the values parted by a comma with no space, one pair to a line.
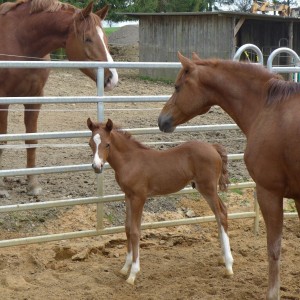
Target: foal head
[99,143]
[87,42]
[189,98]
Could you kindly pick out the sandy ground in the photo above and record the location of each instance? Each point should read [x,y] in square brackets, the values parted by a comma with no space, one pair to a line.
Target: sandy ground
[176,263]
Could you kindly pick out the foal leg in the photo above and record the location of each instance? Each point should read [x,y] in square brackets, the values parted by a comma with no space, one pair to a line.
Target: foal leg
[128,260]
[30,119]
[271,205]
[210,194]
[136,206]
[3,130]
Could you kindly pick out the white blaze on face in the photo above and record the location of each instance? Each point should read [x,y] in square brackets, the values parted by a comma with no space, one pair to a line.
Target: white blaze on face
[114,80]
[98,162]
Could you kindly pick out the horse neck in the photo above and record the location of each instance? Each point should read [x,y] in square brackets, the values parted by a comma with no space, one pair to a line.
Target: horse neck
[240,90]
[43,31]
[121,149]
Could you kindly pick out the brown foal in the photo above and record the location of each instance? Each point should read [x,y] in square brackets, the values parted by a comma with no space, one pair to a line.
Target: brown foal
[142,172]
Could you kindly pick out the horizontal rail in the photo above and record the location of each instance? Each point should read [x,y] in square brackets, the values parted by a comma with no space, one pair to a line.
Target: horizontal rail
[78,134]
[82,99]
[119,229]
[87,64]
[71,168]
[100,199]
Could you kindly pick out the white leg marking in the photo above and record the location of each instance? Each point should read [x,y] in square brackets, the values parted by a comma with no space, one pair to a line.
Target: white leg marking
[135,268]
[97,162]
[227,251]
[115,76]
[127,264]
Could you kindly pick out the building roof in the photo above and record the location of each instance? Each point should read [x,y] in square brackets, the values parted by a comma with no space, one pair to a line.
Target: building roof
[232,14]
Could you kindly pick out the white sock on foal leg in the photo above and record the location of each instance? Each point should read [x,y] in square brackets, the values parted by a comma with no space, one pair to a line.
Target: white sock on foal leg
[135,268]
[227,252]
[127,264]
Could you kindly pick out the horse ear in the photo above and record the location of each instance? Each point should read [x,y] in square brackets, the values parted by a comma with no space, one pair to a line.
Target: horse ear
[102,13]
[109,125]
[85,12]
[186,63]
[195,57]
[90,124]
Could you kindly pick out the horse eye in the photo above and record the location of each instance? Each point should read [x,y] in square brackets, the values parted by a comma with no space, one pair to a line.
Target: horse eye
[176,88]
[107,145]
[88,40]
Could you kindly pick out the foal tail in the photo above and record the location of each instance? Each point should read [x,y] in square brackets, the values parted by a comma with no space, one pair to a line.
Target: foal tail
[224,178]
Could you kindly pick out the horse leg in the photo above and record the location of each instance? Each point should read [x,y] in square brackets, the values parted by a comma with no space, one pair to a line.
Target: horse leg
[128,260]
[30,119]
[219,209]
[271,205]
[136,206]
[3,130]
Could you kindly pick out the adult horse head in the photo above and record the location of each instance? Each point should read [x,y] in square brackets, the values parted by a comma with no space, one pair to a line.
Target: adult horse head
[267,109]
[87,42]
[39,27]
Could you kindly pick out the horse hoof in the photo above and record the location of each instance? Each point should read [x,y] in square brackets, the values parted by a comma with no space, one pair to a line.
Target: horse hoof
[4,194]
[34,191]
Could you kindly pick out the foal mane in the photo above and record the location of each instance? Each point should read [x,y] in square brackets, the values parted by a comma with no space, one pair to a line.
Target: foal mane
[129,137]
[35,6]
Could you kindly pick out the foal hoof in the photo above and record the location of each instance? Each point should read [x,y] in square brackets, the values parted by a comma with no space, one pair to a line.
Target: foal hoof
[123,272]
[130,280]
[229,273]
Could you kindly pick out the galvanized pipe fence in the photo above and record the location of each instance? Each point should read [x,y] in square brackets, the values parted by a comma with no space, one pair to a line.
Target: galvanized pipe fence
[100,199]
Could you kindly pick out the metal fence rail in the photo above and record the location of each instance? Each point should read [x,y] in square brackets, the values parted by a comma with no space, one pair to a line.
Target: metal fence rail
[100,198]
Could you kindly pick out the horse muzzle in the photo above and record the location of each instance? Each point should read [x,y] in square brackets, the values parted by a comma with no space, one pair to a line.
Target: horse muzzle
[97,169]
[165,123]
[111,79]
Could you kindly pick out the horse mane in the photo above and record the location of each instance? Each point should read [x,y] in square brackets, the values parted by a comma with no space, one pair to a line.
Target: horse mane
[280,90]
[35,6]
[129,136]
[234,65]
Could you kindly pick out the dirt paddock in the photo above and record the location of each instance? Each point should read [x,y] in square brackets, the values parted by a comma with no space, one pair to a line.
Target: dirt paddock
[176,263]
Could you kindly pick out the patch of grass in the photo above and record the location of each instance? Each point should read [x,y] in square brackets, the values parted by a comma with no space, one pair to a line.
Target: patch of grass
[290,206]
[110,30]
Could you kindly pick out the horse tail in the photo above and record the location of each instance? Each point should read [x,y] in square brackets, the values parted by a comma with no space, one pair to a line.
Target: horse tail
[224,178]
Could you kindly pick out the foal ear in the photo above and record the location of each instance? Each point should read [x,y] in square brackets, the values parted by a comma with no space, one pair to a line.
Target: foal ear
[85,12]
[109,125]
[90,124]
[186,63]
[102,13]
[195,57]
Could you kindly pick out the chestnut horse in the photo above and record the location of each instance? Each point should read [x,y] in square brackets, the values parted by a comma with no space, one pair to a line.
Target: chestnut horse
[267,109]
[142,172]
[30,30]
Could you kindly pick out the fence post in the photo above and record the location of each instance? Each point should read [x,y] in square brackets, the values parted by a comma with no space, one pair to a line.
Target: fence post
[100,116]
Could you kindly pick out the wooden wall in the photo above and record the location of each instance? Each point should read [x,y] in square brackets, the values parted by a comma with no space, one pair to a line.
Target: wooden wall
[210,35]
[161,37]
